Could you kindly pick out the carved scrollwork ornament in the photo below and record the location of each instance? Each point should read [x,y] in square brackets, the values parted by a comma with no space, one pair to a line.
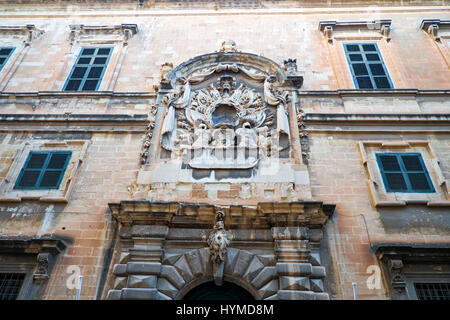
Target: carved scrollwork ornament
[41,273]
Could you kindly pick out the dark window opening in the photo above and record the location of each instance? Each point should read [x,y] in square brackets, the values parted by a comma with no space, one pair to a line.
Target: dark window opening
[432,291]
[43,170]
[87,73]
[367,67]
[10,285]
[404,172]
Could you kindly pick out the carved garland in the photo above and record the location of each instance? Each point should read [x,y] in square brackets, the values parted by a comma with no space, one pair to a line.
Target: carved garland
[148,135]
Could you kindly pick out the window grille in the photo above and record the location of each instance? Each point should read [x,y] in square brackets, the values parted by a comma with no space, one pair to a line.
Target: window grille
[432,291]
[10,285]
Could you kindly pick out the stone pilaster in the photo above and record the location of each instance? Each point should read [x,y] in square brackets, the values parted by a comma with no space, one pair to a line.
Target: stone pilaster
[139,267]
[298,263]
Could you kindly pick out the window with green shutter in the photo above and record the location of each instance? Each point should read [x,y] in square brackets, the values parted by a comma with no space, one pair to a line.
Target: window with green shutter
[43,170]
[404,172]
[87,73]
[5,53]
[367,66]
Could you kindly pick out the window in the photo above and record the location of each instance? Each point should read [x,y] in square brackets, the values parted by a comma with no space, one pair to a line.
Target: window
[404,172]
[432,291]
[43,170]
[10,285]
[367,66]
[5,53]
[88,71]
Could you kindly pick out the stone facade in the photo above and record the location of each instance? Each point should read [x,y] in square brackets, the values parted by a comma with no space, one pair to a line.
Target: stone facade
[226,143]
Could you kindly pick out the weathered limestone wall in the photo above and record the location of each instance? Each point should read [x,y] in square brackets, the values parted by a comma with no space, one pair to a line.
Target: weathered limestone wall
[411,56]
[109,171]
[105,174]
[338,176]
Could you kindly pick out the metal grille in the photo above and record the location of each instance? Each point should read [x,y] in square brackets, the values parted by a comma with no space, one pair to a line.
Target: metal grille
[432,291]
[10,284]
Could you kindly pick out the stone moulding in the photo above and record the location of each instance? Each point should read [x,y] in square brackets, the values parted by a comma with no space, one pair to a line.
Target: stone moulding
[327,28]
[281,214]
[46,249]
[164,251]
[9,194]
[434,26]
[380,198]
[81,32]
[228,101]
[395,256]
[30,30]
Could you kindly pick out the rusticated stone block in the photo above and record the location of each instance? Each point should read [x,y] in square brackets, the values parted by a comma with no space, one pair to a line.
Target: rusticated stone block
[318,272]
[143,268]
[114,295]
[120,283]
[120,270]
[294,269]
[266,274]
[141,281]
[149,231]
[290,233]
[171,274]
[314,258]
[167,288]
[321,296]
[139,294]
[294,283]
[316,285]
[295,295]
[269,289]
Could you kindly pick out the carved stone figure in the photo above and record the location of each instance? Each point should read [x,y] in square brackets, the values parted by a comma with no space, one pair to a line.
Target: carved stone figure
[290,66]
[247,136]
[276,97]
[218,243]
[202,137]
[166,69]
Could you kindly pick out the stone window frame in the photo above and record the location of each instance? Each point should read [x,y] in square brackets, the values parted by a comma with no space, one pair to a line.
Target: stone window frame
[370,73]
[337,34]
[36,256]
[23,268]
[19,37]
[62,194]
[410,279]
[439,30]
[82,36]
[379,197]
[85,77]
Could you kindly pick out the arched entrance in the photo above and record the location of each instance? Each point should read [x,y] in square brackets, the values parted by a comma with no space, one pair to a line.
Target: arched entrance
[209,291]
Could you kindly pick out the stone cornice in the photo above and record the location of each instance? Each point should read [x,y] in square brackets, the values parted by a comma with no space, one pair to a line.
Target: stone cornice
[31,244]
[382,117]
[439,251]
[61,11]
[301,93]
[66,94]
[313,214]
[371,93]
[77,123]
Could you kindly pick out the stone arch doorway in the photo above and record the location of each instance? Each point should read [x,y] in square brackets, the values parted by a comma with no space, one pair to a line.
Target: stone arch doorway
[209,291]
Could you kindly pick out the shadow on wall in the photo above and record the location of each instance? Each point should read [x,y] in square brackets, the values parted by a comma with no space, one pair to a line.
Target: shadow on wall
[415,219]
